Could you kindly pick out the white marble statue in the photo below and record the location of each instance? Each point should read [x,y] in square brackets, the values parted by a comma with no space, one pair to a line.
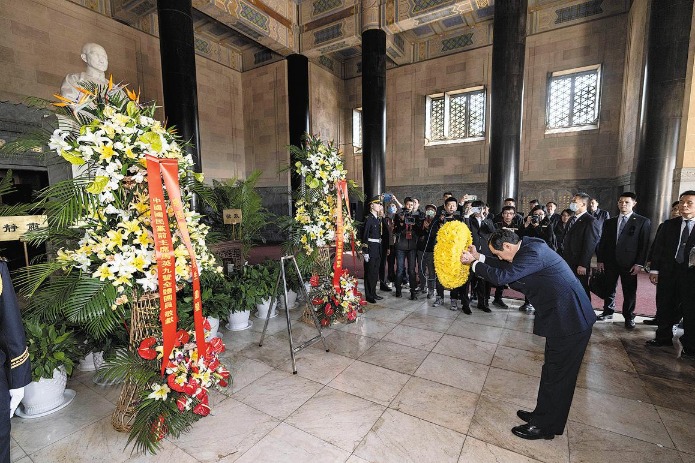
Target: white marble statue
[97,63]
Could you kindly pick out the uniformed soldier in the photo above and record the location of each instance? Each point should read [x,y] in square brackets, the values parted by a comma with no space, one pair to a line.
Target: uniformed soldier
[371,249]
[16,372]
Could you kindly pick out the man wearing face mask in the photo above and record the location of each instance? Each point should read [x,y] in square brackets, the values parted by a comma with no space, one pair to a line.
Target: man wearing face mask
[481,229]
[404,226]
[448,214]
[425,252]
[581,239]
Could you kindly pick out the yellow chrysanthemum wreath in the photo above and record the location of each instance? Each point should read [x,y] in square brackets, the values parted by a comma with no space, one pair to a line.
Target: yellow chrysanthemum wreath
[453,238]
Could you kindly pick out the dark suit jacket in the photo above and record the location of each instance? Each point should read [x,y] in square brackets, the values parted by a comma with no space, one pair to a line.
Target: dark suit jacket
[666,244]
[481,233]
[580,242]
[562,306]
[14,357]
[601,216]
[632,245]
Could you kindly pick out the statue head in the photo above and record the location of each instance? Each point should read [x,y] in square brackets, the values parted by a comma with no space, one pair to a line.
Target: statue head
[95,56]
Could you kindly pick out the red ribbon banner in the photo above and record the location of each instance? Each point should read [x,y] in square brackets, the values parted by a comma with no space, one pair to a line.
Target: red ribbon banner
[342,193]
[164,252]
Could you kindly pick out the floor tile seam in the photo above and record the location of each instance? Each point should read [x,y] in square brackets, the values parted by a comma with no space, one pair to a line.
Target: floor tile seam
[445,384]
[687,384]
[69,435]
[457,358]
[660,446]
[675,446]
[252,382]
[428,329]
[263,437]
[387,368]
[430,421]
[283,419]
[17,443]
[397,343]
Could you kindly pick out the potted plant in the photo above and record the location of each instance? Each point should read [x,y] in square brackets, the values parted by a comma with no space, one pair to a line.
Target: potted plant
[53,352]
[216,294]
[266,276]
[246,294]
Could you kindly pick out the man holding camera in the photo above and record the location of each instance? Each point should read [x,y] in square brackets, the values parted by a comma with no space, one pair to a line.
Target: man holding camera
[371,249]
[481,229]
[405,229]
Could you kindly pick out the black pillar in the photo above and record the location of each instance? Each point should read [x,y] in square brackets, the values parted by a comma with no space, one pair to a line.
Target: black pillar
[178,72]
[373,111]
[662,106]
[298,107]
[506,94]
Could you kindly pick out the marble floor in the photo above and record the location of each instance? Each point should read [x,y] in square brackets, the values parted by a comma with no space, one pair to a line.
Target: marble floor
[406,383]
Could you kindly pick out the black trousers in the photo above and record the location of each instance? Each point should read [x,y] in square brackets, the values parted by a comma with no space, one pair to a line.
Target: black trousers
[460,293]
[676,299]
[583,279]
[4,419]
[371,270]
[401,267]
[563,357]
[629,285]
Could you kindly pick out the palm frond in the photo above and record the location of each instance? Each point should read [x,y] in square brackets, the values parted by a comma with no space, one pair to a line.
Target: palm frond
[29,279]
[65,202]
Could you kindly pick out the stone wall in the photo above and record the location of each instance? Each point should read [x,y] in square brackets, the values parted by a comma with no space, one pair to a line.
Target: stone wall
[41,40]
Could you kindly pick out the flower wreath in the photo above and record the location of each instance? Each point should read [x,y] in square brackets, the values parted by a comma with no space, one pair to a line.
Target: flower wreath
[452,239]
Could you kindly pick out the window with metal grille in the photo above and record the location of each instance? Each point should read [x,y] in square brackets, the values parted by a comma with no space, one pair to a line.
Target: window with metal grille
[455,116]
[573,99]
[357,129]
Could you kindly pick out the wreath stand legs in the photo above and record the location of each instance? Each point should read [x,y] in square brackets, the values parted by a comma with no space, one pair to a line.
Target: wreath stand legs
[307,302]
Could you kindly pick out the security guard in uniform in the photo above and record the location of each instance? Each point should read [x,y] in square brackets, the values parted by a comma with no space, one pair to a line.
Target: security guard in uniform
[371,249]
[14,358]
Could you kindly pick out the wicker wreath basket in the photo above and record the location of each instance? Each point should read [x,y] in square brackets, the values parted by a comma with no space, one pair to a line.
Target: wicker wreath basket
[144,322]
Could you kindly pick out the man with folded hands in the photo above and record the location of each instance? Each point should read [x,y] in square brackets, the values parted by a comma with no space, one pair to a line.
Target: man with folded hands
[564,316]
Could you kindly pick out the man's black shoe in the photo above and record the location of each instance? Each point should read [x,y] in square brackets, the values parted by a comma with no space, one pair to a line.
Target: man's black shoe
[659,343]
[371,301]
[604,316]
[650,321]
[630,324]
[384,288]
[466,309]
[524,415]
[500,303]
[413,296]
[687,355]
[525,307]
[398,293]
[378,298]
[485,309]
[531,432]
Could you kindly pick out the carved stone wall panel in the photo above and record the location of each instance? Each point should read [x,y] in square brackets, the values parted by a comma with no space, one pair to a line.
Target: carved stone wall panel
[403,15]
[454,42]
[314,10]
[336,36]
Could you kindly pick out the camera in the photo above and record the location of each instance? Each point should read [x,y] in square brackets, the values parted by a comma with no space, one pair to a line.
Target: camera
[408,219]
[535,219]
[476,210]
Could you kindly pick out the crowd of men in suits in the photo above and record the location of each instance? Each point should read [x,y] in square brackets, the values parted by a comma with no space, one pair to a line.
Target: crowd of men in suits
[405,237]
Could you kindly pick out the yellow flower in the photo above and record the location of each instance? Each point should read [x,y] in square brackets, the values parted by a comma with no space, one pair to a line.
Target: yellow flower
[139,263]
[115,239]
[104,272]
[106,152]
[452,239]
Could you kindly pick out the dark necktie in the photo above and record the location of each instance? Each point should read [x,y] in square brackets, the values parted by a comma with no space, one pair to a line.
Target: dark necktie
[680,255]
[571,222]
[623,221]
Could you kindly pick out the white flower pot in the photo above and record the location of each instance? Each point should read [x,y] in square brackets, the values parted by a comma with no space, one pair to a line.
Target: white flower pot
[214,326]
[262,309]
[291,299]
[46,395]
[239,321]
[87,363]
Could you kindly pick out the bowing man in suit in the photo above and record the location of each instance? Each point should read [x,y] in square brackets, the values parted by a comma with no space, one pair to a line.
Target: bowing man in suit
[674,278]
[564,316]
[622,252]
[14,359]
[580,239]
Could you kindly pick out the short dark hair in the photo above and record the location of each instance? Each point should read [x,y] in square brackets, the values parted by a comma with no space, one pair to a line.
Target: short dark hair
[499,237]
[477,203]
[687,193]
[585,197]
[450,199]
[676,203]
[628,194]
[406,199]
[508,199]
[551,202]
[447,193]
[567,211]
[537,207]
[508,208]
[467,202]
[534,201]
